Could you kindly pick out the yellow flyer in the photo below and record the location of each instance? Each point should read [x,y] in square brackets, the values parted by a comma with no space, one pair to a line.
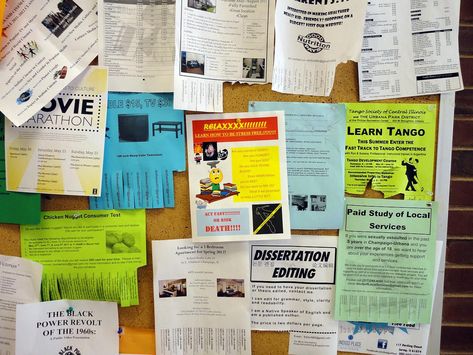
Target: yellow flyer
[238,177]
[393,146]
[134,341]
[2,12]
[59,150]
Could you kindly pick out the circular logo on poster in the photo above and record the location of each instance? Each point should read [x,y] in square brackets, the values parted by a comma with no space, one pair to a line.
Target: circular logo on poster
[313,42]
[69,350]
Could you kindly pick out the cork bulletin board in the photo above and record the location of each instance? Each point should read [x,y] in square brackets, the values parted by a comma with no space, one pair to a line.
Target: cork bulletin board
[175,223]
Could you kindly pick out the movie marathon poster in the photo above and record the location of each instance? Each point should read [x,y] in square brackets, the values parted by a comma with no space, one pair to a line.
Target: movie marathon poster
[59,150]
[314,36]
[238,177]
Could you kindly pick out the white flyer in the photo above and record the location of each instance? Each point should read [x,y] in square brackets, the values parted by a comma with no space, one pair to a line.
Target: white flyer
[47,45]
[136,43]
[217,41]
[201,291]
[20,282]
[59,150]
[410,48]
[238,176]
[67,327]
[387,338]
[313,37]
[293,289]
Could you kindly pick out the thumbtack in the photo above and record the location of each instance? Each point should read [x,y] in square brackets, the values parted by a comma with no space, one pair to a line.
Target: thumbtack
[120,330]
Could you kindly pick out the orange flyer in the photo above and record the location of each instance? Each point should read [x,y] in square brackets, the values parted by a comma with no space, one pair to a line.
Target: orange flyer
[2,13]
[137,341]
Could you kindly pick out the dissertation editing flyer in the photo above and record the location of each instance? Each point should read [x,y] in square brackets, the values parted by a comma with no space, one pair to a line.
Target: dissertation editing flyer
[315,148]
[238,177]
[293,288]
[88,254]
[59,150]
[144,145]
[67,328]
[388,338]
[46,45]
[218,41]
[20,281]
[386,261]
[393,146]
[313,37]
[201,291]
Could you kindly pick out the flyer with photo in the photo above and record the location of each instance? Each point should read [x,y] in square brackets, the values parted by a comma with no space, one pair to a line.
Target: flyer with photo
[393,147]
[67,328]
[315,148]
[46,45]
[59,149]
[144,145]
[386,261]
[293,289]
[313,37]
[201,291]
[88,254]
[218,41]
[20,281]
[238,177]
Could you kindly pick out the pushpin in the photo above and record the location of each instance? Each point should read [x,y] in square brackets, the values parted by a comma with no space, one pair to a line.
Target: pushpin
[70,310]
[120,330]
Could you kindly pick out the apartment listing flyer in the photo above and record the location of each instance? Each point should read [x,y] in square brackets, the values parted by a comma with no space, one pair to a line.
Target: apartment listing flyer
[59,150]
[136,43]
[67,327]
[47,44]
[386,261]
[238,176]
[293,288]
[217,41]
[393,146]
[315,148]
[201,291]
[410,48]
[313,37]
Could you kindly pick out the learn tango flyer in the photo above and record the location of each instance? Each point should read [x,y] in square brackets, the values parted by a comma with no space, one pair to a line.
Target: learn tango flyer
[238,177]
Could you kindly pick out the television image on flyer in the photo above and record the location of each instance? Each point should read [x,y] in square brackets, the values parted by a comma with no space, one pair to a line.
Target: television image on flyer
[238,177]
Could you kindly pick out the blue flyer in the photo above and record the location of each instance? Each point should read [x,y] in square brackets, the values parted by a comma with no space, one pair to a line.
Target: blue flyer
[144,145]
[315,148]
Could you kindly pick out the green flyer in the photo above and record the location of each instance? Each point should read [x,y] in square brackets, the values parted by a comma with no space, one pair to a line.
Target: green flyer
[90,255]
[385,261]
[394,146]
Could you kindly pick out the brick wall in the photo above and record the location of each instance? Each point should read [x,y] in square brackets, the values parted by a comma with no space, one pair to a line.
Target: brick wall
[457,323]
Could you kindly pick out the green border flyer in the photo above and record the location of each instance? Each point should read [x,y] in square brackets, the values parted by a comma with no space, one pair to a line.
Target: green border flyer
[386,260]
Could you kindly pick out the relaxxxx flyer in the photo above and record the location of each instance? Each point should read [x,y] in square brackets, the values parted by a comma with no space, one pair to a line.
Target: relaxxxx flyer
[238,177]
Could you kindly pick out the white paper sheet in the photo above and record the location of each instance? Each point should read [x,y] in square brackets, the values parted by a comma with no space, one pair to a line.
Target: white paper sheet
[20,282]
[313,37]
[136,43]
[410,48]
[67,327]
[293,289]
[217,41]
[59,150]
[48,44]
[387,338]
[201,291]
